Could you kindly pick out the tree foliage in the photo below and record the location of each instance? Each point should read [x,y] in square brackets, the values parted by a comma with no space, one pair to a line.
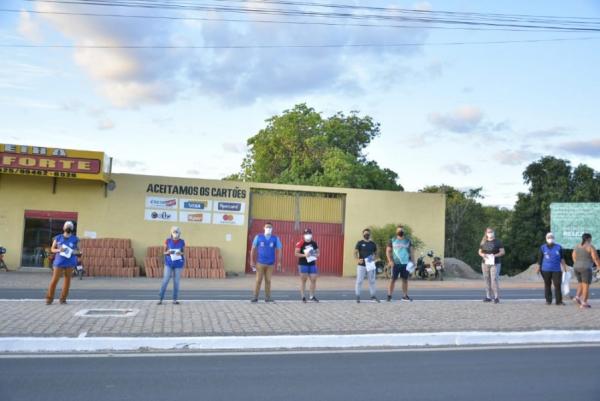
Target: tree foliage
[550,180]
[302,147]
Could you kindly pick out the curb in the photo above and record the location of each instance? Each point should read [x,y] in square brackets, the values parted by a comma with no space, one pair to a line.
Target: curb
[263,343]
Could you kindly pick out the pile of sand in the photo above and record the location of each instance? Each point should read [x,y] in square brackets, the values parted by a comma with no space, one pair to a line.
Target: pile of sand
[528,275]
[459,269]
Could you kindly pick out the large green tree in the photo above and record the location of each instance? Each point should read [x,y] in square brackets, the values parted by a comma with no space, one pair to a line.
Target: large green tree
[550,180]
[302,147]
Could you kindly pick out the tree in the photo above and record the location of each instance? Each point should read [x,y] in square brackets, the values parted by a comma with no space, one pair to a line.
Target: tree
[301,147]
[550,180]
[465,222]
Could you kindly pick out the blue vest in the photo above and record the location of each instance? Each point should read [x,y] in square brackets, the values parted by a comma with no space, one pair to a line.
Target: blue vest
[266,249]
[72,242]
[171,244]
[551,258]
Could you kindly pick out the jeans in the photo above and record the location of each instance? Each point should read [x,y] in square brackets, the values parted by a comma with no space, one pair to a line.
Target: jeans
[361,272]
[176,272]
[549,279]
[490,277]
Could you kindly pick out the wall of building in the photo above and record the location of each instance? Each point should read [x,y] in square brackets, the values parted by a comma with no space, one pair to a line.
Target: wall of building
[121,213]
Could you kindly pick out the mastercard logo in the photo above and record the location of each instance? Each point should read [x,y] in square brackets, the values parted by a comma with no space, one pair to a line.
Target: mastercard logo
[228,217]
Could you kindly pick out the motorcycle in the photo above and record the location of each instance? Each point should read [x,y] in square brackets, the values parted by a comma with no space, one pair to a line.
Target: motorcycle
[2,263]
[429,271]
[79,271]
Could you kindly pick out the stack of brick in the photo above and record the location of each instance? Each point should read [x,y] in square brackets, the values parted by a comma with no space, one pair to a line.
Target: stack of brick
[200,262]
[108,257]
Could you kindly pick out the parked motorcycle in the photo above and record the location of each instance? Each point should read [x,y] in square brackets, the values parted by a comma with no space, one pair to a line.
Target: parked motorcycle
[430,271]
[2,263]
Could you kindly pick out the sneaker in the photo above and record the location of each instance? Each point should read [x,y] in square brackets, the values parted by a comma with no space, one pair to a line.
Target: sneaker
[560,304]
[496,301]
[269,300]
[175,302]
[486,299]
[63,301]
[254,300]
[49,301]
[407,298]
[304,299]
[159,302]
[375,299]
[357,300]
[585,306]
[389,298]
[314,299]
[548,303]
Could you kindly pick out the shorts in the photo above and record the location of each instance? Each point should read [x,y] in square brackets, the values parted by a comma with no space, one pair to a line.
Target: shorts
[308,269]
[400,270]
[584,276]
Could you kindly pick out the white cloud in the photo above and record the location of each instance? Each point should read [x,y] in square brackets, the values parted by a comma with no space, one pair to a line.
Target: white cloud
[105,123]
[234,147]
[28,28]
[464,119]
[457,168]
[515,157]
[583,148]
[132,77]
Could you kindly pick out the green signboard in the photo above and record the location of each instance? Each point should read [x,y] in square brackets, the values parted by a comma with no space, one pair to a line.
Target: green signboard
[569,220]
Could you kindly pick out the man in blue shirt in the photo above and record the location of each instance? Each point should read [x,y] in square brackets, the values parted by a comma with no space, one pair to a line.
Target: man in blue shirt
[266,250]
[399,253]
[552,264]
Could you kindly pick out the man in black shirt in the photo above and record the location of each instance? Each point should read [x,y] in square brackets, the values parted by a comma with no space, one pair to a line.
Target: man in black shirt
[365,253]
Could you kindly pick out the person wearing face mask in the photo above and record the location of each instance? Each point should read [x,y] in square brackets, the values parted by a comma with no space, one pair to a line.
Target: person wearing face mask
[65,248]
[551,263]
[174,261]
[266,250]
[365,250]
[307,252]
[584,256]
[491,251]
[399,253]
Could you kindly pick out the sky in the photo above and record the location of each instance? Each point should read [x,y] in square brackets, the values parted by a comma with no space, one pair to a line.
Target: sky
[469,116]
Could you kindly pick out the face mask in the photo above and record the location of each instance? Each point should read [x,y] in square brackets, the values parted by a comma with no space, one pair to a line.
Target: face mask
[550,241]
[490,236]
[400,233]
[366,236]
[68,230]
[308,237]
[175,235]
[268,231]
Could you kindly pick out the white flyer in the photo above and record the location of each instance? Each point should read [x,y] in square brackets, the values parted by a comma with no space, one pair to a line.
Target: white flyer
[489,259]
[174,256]
[66,252]
[370,264]
[310,254]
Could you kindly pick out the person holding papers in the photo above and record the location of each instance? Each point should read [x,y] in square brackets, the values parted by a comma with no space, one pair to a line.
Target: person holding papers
[64,247]
[174,261]
[307,252]
[365,253]
[491,251]
[400,253]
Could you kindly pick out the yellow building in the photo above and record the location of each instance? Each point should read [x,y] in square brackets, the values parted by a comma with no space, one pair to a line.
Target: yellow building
[40,188]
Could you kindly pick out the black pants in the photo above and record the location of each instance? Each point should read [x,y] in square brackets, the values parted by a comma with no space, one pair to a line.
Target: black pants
[549,279]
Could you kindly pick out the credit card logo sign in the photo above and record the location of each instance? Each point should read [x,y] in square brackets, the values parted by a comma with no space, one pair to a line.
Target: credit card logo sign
[229,206]
[163,203]
[161,215]
[198,205]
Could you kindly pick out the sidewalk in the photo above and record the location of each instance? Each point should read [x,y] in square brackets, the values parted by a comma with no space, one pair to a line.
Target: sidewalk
[41,278]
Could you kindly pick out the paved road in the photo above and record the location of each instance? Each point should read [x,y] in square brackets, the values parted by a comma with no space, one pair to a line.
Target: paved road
[137,294]
[467,375]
